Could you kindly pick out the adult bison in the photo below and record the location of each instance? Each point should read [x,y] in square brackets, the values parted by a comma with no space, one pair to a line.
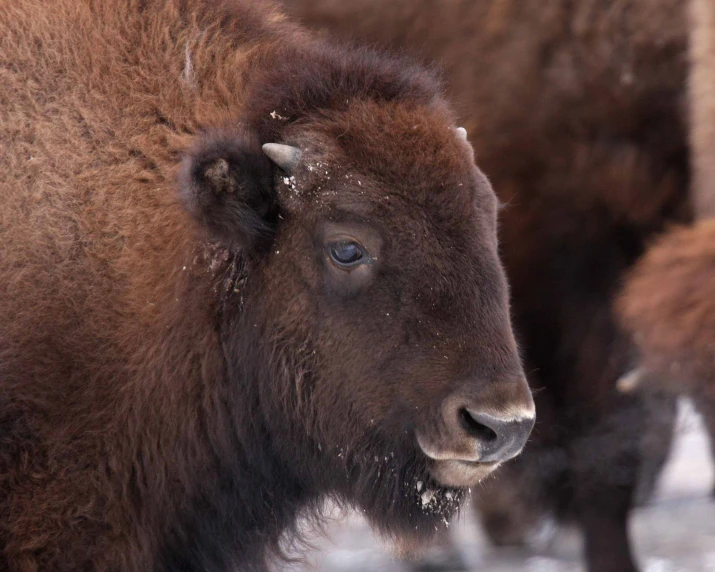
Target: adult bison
[576,111]
[667,303]
[241,270]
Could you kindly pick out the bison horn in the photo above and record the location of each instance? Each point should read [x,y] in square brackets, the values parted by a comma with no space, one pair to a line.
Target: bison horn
[285,156]
[631,381]
[461,133]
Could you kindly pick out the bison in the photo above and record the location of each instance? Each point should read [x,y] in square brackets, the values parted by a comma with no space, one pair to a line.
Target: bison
[668,306]
[577,114]
[242,270]
[667,303]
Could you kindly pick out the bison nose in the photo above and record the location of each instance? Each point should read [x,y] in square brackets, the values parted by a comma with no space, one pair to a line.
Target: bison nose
[498,438]
[484,423]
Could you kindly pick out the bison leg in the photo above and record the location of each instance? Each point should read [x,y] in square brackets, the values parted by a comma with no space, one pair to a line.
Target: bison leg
[606,464]
[661,415]
[607,545]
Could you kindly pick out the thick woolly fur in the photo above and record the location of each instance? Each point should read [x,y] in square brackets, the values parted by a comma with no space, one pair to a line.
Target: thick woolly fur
[577,114]
[183,368]
[702,105]
[668,307]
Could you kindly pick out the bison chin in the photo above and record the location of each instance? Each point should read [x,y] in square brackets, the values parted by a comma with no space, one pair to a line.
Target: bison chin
[393,487]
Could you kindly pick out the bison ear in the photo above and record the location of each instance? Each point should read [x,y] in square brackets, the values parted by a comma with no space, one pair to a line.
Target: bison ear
[226,183]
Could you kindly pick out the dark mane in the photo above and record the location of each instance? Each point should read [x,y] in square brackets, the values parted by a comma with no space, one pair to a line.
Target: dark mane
[328,77]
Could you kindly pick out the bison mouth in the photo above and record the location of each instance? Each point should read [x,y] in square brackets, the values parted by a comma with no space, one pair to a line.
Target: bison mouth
[461,474]
[396,490]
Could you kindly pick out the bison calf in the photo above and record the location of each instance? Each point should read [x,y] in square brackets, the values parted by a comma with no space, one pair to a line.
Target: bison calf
[669,308]
[241,270]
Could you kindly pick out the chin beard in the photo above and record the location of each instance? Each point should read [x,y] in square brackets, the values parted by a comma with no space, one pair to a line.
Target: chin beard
[392,488]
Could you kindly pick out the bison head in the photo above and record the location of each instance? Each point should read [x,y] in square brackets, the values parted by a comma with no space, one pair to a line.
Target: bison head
[368,333]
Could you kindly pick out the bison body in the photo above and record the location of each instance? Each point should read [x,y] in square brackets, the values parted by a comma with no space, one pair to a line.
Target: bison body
[668,307]
[577,113]
[667,304]
[241,269]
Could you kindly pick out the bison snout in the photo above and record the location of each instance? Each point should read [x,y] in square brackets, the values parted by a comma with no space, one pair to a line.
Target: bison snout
[499,439]
[472,436]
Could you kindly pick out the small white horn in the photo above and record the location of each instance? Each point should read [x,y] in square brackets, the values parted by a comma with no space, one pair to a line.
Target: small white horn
[461,133]
[285,156]
[631,381]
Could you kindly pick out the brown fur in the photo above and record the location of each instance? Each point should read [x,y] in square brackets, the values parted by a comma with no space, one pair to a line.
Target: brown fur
[576,111]
[668,306]
[182,369]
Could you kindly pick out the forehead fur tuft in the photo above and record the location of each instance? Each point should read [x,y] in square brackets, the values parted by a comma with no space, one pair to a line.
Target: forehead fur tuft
[321,78]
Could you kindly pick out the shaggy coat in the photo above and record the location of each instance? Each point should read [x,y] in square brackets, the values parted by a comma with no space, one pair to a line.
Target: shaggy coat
[668,307]
[576,111]
[187,363]
[667,303]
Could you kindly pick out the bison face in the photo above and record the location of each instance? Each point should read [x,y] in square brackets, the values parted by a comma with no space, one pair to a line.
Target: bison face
[378,305]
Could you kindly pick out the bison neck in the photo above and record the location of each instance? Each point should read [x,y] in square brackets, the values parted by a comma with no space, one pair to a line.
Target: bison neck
[237,522]
[235,497]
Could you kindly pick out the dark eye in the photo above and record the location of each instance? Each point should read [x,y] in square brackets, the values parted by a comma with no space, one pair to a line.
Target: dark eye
[347,254]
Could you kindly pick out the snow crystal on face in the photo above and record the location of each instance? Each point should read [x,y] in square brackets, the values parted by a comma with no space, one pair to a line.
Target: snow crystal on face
[438,501]
[427,497]
[216,258]
[290,183]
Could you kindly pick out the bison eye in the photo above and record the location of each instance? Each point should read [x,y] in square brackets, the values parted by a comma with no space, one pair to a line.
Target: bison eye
[347,254]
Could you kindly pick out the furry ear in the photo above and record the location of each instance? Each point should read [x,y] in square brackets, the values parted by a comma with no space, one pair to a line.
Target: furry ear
[226,183]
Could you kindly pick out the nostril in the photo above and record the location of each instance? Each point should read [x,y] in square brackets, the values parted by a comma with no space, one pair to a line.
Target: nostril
[475,428]
[498,438]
